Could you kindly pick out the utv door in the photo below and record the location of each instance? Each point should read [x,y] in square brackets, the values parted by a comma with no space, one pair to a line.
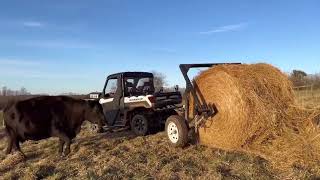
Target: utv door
[110,101]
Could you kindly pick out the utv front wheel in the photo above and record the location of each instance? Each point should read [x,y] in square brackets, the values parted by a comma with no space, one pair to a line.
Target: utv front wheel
[177,131]
[139,125]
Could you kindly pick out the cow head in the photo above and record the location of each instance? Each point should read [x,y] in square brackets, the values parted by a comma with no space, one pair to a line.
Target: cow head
[94,113]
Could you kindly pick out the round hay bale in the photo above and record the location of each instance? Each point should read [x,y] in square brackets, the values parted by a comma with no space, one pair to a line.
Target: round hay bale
[250,99]
[256,113]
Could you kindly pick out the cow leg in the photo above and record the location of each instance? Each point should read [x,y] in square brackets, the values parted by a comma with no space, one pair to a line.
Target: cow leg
[68,143]
[12,139]
[64,140]
[19,149]
[10,144]
[61,144]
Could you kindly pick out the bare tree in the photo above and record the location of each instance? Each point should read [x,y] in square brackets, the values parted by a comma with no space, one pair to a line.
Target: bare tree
[298,78]
[23,91]
[4,90]
[313,79]
[9,92]
[159,80]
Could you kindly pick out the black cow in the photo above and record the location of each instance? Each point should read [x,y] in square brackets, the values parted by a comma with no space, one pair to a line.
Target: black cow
[49,116]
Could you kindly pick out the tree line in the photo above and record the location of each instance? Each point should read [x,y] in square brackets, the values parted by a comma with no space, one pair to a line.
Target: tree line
[300,78]
[297,77]
[5,91]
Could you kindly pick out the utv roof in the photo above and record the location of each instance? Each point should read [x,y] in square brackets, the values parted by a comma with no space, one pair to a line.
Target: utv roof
[132,74]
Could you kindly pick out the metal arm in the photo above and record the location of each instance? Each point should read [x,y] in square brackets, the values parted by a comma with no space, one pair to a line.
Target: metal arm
[200,106]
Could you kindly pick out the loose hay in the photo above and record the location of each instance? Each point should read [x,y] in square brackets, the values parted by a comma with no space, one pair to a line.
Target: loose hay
[257,113]
[121,155]
[11,161]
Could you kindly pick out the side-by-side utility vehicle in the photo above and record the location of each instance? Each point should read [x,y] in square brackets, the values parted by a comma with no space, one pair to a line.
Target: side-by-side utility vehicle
[129,99]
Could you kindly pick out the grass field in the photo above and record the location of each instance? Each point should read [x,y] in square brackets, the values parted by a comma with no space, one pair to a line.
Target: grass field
[121,155]
[1,119]
[308,98]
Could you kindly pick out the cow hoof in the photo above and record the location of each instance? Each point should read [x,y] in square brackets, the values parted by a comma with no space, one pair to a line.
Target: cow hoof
[24,157]
[62,156]
[66,153]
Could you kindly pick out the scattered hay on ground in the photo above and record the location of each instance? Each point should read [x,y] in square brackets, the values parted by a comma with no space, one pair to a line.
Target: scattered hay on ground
[121,155]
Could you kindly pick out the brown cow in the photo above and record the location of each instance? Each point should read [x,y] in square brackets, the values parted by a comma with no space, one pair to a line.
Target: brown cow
[49,116]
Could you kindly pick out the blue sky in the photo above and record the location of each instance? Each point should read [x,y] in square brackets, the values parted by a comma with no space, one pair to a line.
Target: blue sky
[63,46]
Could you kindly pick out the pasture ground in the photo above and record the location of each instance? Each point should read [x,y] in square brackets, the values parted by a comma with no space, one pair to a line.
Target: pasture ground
[121,155]
[1,119]
[308,98]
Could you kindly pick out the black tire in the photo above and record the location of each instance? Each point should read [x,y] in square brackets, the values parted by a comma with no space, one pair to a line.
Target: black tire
[177,131]
[139,125]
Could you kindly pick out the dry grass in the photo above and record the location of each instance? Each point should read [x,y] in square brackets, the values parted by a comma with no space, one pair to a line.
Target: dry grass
[308,98]
[121,155]
[1,119]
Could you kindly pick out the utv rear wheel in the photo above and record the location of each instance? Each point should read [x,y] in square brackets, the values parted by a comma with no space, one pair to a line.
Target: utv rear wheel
[177,130]
[139,125]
